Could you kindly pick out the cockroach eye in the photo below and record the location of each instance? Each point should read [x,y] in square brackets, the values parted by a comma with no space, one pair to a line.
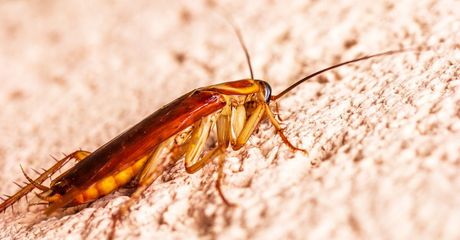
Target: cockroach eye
[267,91]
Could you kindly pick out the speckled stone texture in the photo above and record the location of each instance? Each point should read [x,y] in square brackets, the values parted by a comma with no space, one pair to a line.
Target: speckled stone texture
[383,135]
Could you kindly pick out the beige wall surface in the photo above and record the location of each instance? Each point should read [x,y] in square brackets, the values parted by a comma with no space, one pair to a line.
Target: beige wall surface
[383,135]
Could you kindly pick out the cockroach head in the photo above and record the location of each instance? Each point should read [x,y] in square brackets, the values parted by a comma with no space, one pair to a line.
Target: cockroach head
[267,91]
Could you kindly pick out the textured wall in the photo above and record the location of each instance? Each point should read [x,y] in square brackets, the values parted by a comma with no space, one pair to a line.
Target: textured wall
[382,135]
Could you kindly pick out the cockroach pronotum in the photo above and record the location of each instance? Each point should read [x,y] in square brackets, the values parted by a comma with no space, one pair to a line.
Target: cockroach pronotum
[180,128]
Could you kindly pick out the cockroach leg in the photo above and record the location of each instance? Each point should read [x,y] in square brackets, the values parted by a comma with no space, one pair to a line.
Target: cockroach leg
[280,130]
[238,119]
[241,126]
[48,199]
[19,185]
[220,177]
[77,156]
[37,185]
[244,129]
[80,155]
[154,167]
[196,144]
[249,126]
[277,109]
[223,126]
[38,204]
[40,179]
[153,163]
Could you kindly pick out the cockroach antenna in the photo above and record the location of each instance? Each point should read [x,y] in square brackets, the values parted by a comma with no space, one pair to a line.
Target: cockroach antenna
[276,97]
[246,52]
[229,20]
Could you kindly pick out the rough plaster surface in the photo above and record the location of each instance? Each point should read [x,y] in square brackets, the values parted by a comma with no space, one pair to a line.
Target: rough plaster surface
[383,135]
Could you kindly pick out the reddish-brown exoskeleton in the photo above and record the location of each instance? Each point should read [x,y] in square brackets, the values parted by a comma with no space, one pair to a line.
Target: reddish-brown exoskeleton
[233,109]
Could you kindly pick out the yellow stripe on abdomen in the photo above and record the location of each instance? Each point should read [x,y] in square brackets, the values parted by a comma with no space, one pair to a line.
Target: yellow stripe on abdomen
[110,183]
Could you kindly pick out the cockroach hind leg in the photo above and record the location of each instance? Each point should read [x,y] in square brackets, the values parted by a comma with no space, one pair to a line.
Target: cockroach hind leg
[36,171]
[37,185]
[116,218]
[36,204]
[87,229]
[46,198]
[124,209]
[152,170]
[18,185]
[79,154]
[220,178]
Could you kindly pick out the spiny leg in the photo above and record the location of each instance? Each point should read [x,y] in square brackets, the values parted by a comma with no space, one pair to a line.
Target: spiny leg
[40,179]
[216,152]
[196,144]
[33,182]
[280,131]
[153,168]
[200,134]
[242,130]
[238,120]
[224,135]
[176,151]
[277,109]
[249,126]
[239,129]
[220,177]
[80,155]
[223,127]
[232,125]
[77,156]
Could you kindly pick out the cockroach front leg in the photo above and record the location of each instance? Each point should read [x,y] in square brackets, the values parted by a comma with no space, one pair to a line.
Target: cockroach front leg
[232,126]
[280,130]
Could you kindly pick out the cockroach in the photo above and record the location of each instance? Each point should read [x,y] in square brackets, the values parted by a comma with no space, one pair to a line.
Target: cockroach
[182,128]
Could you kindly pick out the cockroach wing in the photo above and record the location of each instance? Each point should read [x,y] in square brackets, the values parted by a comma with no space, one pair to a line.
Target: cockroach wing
[141,139]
